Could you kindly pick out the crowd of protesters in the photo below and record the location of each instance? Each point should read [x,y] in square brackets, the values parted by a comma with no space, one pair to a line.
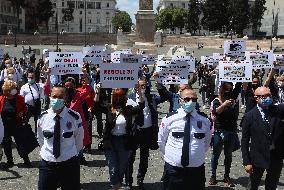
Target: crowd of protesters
[64,107]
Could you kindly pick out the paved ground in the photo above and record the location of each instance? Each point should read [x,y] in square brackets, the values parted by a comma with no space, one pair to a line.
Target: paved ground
[95,175]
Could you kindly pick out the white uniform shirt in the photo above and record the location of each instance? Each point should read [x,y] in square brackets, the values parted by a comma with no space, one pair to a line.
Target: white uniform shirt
[1,130]
[171,146]
[72,134]
[36,89]
[17,77]
[120,126]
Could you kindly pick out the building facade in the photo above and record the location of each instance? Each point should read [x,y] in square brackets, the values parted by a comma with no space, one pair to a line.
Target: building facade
[273,17]
[8,18]
[98,15]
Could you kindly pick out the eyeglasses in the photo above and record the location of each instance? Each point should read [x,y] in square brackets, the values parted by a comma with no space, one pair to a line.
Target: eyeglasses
[188,99]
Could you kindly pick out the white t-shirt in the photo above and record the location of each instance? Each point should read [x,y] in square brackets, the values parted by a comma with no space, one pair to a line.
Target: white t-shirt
[28,91]
[120,126]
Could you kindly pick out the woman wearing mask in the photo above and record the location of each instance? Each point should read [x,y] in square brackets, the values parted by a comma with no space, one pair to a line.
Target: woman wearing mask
[12,108]
[75,99]
[225,112]
[116,137]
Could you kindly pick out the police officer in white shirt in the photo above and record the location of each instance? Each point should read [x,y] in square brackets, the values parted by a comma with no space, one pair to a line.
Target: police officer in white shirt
[60,135]
[32,92]
[184,137]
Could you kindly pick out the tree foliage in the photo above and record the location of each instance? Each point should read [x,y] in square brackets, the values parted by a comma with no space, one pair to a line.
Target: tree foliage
[193,16]
[45,11]
[122,19]
[256,14]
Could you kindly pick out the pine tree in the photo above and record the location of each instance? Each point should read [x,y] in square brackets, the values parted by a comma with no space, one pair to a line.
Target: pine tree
[45,11]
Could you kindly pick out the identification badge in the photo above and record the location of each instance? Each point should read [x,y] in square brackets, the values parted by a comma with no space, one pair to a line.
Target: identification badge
[69,125]
[199,124]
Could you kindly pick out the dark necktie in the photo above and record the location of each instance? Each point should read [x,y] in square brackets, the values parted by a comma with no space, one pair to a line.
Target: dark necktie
[186,141]
[57,135]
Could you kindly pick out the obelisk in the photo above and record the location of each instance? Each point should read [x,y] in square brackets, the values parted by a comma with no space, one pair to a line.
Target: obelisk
[145,21]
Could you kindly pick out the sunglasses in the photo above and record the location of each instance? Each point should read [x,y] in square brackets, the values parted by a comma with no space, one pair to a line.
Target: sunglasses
[188,99]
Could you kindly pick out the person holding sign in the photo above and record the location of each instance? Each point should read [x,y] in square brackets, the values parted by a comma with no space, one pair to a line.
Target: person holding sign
[116,138]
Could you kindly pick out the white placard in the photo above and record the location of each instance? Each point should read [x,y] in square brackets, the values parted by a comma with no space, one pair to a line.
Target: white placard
[149,59]
[234,47]
[279,58]
[124,75]
[131,58]
[45,53]
[172,72]
[217,57]
[96,54]
[62,63]
[260,59]
[207,60]
[189,59]
[115,56]
[230,71]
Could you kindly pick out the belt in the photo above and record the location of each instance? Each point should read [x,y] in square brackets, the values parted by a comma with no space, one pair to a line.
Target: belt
[66,162]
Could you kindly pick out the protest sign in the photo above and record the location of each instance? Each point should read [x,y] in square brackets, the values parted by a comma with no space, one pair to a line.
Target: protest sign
[217,57]
[149,59]
[260,59]
[230,71]
[207,60]
[189,59]
[279,58]
[96,54]
[234,47]
[124,75]
[115,56]
[171,72]
[45,53]
[62,63]
[131,58]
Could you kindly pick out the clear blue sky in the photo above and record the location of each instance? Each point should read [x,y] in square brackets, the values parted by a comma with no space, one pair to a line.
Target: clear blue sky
[131,6]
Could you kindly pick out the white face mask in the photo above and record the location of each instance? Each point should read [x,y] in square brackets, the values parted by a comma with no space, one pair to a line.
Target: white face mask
[13,92]
[10,76]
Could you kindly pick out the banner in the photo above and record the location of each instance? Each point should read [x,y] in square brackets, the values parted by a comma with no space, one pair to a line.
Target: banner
[234,47]
[131,58]
[149,59]
[62,63]
[171,72]
[230,71]
[207,60]
[260,59]
[189,59]
[124,75]
[96,54]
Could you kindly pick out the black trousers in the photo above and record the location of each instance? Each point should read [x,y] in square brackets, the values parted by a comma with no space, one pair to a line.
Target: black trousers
[33,112]
[99,117]
[176,178]
[272,176]
[143,140]
[64,174]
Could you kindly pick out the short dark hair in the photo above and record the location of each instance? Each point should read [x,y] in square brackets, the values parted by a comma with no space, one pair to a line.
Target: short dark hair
[70,79]
[31,70]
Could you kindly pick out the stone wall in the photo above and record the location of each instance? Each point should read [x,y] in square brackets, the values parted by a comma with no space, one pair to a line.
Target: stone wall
[69,39]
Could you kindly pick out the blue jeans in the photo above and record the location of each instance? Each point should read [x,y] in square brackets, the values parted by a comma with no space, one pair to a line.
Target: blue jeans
[117,158]
[219,142]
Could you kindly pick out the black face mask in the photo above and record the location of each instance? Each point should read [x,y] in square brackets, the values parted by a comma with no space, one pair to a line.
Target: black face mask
[228,94]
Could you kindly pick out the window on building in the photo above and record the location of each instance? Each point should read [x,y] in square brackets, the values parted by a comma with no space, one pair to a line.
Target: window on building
[81,12]
[71,4]
[54,4]
[107,4]
[98,5]
[98,20]
[183,5]
[89,12]
[71,29]
[62,4]
[90,20]
[90,5]
[81,5]
[171,5]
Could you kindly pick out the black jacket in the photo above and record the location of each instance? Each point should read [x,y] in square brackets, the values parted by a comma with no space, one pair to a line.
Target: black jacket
[256,141]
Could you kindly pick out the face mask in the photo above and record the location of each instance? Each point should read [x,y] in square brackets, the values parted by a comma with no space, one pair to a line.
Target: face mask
[188,107]
[8,65]
[143,91]
[266,101]
[31,81]
[13,92]
[228,94]
[10,76]
[56,103]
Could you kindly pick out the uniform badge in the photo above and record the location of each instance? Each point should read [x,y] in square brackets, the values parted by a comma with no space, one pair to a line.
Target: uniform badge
[69,125]
[199,124]
[162,125]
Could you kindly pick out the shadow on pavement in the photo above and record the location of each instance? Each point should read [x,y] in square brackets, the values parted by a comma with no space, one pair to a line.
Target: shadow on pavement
[96,186]
[14,173]
[97,163]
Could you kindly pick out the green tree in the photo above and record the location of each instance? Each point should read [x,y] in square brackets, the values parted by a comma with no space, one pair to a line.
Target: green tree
[122,19]
[179,17]
[17,5]
[256,14]
[164,19]
[193,16]
[68,14]
[45,11]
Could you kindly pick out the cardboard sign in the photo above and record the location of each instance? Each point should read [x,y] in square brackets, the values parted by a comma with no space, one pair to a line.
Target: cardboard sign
[62,63]
[149,59]
[189,59]
[131,58]
[230,71]
[260,59]
[234,47]
[171,72]
[207,60]
[124,75]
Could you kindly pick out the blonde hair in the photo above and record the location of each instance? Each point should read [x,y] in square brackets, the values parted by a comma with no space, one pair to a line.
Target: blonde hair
[9,85]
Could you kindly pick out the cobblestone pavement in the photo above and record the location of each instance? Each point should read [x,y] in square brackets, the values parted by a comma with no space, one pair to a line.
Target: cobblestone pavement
[95,175]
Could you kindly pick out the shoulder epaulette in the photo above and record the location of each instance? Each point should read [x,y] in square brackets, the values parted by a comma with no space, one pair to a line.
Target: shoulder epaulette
[171,114]
[42,114]
[73,114]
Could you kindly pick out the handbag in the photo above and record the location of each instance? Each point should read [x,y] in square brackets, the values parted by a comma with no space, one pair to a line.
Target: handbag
[25,139]
[37,102]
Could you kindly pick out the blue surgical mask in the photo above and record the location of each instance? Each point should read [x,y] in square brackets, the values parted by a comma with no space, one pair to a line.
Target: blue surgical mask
[56,103]
[31,81]
[266,101]
[189,106]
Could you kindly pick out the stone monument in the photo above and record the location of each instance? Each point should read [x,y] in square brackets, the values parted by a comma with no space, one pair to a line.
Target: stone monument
[145,21]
